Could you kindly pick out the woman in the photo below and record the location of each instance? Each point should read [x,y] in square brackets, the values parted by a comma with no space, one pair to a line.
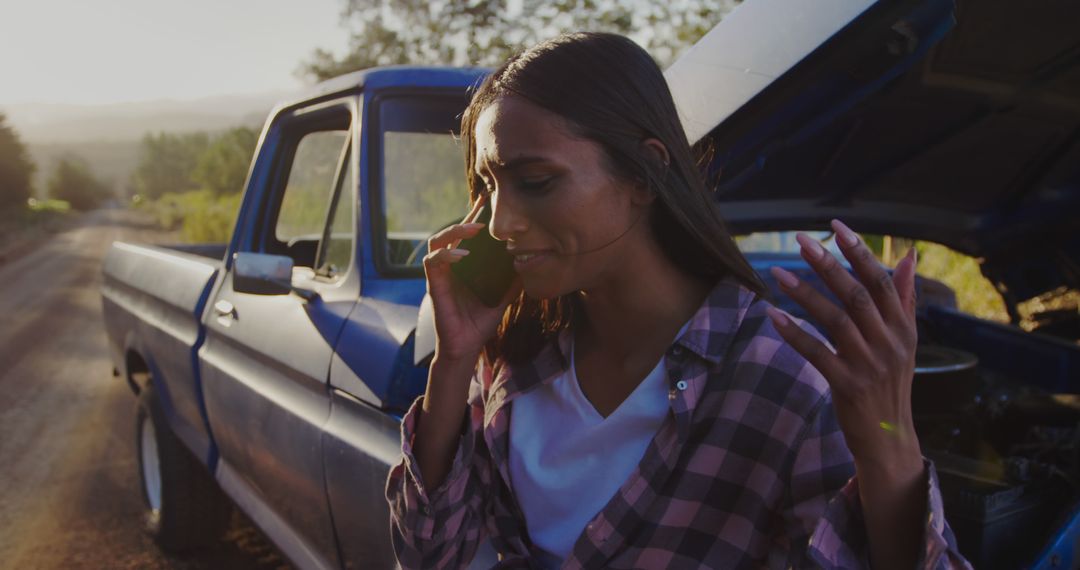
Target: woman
[634,402]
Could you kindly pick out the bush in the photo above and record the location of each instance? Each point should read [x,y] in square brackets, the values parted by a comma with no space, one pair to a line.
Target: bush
[201,216]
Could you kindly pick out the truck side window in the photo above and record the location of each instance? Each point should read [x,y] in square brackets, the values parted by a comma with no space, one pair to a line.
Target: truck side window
[313,177]
[423,175]
[335,250]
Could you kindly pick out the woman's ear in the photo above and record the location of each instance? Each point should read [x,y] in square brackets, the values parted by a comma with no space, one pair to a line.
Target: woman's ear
[656,149]
[652,149]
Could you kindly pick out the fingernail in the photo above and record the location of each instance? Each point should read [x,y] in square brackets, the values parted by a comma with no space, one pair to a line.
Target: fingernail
[778,319]
[785,277]
[810,245]
[459,251]
[914,256]
[844,233]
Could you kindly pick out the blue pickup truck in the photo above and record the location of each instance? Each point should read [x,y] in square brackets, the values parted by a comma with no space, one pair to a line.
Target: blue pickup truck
[272,371]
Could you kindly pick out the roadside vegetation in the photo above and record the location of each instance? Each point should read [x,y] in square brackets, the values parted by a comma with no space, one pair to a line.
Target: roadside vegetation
[72,181]
[24,218]
[192,182]
[16,169]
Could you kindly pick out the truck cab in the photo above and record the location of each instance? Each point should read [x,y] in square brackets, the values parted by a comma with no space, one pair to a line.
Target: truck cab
[284,365]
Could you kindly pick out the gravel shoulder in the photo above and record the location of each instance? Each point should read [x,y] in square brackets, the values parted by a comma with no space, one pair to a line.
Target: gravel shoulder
[70,497]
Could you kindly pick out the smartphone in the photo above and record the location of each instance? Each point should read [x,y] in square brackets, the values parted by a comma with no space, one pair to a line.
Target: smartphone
[488,270]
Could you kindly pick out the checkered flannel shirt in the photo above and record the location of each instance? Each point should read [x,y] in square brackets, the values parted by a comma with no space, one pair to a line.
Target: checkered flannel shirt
[749,470]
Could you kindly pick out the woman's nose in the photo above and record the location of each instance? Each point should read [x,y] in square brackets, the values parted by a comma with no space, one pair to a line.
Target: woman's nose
[507,221]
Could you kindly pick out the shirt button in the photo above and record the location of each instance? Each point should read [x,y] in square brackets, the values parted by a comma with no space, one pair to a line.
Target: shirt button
[681,384]
[676,350]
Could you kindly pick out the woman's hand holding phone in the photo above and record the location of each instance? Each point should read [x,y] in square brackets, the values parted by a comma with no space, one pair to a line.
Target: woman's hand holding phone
[463,324]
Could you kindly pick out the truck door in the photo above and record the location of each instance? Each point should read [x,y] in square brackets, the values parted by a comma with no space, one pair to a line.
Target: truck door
[413,186]
[266,358]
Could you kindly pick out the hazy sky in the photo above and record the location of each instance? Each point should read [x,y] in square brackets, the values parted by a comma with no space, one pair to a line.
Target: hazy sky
[107,51]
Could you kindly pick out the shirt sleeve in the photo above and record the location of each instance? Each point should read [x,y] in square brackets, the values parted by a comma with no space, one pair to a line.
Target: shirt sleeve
[442,527]
[825,505]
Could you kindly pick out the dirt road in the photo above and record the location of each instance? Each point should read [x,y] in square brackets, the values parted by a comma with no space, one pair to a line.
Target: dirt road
[68,481]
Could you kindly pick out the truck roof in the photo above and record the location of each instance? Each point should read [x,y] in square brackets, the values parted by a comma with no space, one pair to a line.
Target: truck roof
[395,76]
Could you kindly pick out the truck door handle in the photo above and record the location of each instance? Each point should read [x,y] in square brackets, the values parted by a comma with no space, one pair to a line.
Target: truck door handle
[225,309]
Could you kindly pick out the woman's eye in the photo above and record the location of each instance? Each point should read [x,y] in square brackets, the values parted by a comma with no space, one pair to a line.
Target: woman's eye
[534,184]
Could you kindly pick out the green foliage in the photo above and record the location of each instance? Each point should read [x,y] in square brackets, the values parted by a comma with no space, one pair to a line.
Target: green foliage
[223,166]
[485,32]
[167,163]
[73,182]
[45,206]
[201,216]
[194,182]
[213,218]
[974,292]
[16,168]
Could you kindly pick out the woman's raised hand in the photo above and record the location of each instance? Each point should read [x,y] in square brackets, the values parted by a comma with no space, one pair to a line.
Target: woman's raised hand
[462,323]
[871,371]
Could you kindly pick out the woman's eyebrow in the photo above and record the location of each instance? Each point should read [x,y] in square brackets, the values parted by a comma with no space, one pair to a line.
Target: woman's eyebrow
[512,164]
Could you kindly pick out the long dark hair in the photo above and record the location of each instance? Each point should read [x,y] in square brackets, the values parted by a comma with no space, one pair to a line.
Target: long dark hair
[610,91]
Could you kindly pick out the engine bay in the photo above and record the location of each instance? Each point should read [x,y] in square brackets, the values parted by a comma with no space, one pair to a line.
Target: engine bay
[1006,450]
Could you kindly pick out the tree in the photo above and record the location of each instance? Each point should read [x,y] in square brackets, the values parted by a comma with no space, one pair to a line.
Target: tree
[73,182]
[485,32]
[16,168]
[167,163]
[223,166]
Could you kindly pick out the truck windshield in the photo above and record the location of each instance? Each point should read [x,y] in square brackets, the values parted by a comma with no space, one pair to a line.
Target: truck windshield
[423,173]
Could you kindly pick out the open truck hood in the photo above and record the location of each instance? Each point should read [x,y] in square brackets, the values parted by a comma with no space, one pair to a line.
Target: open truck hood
[953,122]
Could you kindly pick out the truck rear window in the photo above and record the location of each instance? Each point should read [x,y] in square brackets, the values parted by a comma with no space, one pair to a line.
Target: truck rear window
[423,174]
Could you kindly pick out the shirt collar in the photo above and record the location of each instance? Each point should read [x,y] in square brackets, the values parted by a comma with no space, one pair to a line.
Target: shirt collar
[707,335]
[713,326]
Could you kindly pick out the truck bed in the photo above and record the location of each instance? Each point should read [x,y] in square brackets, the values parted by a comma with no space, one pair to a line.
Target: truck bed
[153,298]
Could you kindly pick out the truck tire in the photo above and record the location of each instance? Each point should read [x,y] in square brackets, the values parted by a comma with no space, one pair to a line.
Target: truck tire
[185,509]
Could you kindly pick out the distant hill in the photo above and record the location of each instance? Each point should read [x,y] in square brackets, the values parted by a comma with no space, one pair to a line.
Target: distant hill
[53,123]
[107,136]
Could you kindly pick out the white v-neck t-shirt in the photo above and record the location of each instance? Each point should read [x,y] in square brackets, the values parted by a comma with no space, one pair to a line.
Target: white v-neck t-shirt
[567,461]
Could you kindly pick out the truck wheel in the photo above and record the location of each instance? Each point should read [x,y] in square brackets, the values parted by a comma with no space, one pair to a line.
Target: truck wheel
[185,509]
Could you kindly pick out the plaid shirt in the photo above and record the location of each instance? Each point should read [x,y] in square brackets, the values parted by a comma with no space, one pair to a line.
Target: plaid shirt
[750,469]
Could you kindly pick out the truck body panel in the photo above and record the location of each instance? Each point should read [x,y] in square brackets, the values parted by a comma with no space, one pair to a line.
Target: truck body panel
[153,299]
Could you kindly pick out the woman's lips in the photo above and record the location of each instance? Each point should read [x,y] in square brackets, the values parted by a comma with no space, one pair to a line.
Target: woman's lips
[527,260]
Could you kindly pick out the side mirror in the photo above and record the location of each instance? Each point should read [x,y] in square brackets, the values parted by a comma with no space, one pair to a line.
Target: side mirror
[262,273]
